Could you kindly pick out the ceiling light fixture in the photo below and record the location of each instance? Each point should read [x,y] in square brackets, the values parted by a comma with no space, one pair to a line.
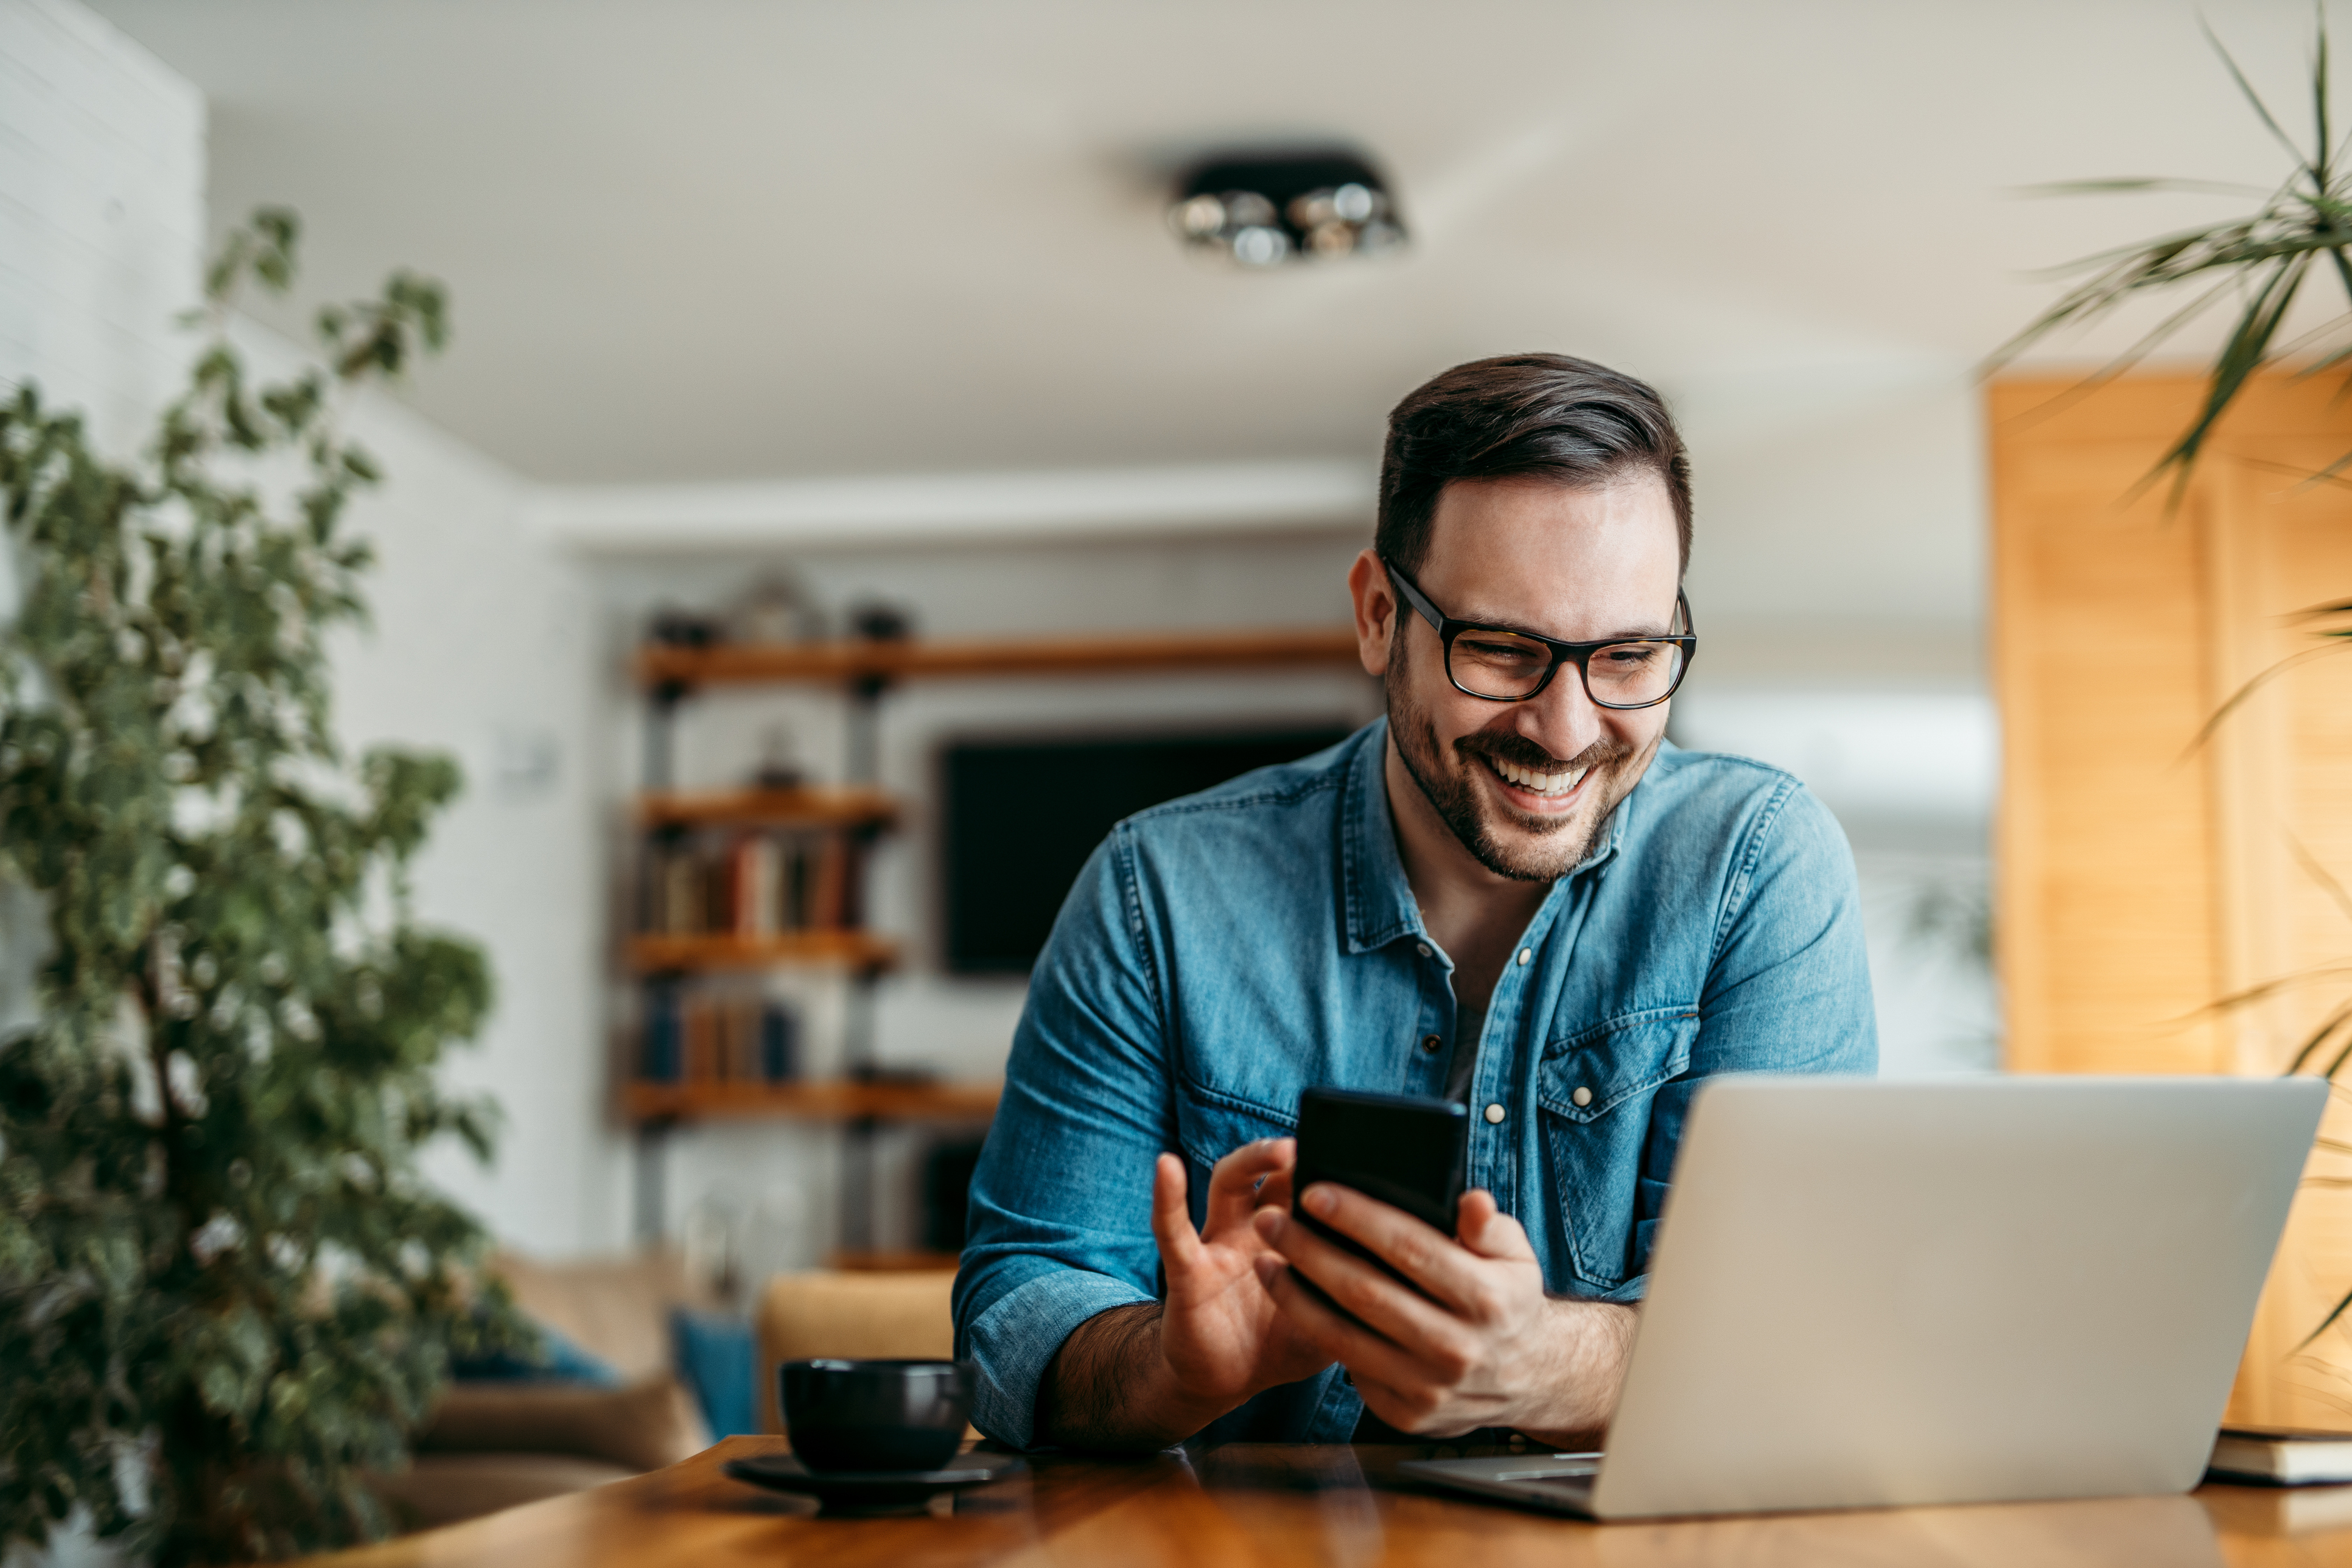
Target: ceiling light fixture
[1262,209]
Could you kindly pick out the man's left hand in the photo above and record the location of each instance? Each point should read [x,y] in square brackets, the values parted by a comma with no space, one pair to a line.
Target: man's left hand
[1483,1347]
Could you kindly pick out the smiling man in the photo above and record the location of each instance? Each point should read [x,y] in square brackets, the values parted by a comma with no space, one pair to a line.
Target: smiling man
[1512,893]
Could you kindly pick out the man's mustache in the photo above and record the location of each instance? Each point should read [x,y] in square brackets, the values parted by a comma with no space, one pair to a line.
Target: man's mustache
[1525,753]
[1520,752]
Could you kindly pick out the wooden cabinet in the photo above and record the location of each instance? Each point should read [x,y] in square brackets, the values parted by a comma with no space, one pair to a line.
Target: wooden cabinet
[2147,869]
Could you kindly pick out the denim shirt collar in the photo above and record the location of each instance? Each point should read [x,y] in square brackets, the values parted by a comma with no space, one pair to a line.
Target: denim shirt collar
[1376,901]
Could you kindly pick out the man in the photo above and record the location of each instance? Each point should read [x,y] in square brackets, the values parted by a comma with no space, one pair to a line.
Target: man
[1510,891]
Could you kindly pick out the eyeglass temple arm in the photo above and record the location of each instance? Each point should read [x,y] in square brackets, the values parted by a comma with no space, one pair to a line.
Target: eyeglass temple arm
[1412,595]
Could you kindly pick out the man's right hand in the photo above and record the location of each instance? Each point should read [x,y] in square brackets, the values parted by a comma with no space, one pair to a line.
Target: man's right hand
[1220,1334]
[1151,1374]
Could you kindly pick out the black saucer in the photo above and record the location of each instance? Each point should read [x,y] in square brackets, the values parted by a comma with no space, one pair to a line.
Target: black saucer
[872,1491]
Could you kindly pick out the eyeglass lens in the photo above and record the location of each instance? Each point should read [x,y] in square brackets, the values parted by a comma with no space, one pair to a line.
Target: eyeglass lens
[1500,664]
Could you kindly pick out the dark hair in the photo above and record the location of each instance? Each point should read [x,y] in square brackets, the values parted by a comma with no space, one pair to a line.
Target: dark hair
[1542,417]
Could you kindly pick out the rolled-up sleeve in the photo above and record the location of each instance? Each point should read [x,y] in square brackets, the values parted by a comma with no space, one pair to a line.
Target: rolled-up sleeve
[1058,1225]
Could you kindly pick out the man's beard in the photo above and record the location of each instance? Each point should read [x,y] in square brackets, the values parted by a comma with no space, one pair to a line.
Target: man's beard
[1561,843]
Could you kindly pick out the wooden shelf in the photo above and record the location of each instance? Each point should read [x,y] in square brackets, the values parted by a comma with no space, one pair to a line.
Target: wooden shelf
[852,807]
[860,950]
[662,665]
[839,1100]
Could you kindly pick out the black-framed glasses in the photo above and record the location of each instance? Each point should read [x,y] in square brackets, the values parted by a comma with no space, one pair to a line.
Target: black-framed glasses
[1505,664]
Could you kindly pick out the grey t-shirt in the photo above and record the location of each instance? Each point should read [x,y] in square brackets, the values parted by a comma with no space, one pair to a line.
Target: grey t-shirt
[1469,1023]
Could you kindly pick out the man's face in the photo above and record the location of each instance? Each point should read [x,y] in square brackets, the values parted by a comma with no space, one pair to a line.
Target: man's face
[1526,786]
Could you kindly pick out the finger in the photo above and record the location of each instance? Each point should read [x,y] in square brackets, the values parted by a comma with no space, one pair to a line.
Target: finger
[1233,1185]
[1399,1409]
[1364,1352]
[1389,1403]
[1172,1223]
[1421,1253]
[1372,1295]
[1487,1231]
[1274,1192]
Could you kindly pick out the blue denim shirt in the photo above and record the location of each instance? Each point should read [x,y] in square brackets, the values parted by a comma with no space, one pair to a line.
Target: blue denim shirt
[1221,952]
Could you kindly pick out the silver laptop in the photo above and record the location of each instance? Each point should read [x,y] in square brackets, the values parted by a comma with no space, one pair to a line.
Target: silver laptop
[1875,1293]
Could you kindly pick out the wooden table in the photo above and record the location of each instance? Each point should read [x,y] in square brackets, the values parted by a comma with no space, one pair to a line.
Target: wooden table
[1249,1504]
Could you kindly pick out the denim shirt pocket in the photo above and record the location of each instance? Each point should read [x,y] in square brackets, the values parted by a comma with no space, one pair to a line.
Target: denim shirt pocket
[1595,1087]
[1210,1126]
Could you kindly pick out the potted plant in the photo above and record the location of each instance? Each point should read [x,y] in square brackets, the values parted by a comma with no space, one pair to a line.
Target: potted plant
[226,1295]
[2298,238]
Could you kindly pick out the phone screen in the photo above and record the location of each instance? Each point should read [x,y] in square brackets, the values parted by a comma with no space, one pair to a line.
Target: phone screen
[1403,1150]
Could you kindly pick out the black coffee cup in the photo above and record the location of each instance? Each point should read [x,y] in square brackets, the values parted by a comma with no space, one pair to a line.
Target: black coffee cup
[876,1415]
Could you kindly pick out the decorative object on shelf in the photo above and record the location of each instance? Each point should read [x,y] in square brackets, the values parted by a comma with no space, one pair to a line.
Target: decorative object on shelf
[873,620]
[228,1297]
[779,767]
[778,608]
[674,628]
[1262,208]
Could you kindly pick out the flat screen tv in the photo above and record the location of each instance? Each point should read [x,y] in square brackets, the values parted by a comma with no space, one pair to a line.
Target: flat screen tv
[1021,816]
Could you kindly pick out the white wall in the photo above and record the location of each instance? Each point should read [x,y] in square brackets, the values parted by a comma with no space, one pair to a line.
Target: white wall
[101,215]
[101,218]
[482,648]
[481,645]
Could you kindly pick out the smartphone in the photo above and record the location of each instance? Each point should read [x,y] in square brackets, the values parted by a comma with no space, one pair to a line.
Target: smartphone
[1403,1150]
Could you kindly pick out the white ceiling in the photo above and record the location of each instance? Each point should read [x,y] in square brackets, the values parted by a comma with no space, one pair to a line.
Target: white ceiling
[719,239]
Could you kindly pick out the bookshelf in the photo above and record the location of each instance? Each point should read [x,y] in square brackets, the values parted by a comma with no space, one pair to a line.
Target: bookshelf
[696,923]
[842,806]
[840,1099]
[863,661]
[860,952]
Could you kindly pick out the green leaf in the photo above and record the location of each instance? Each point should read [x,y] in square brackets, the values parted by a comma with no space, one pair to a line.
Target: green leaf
[227,1265]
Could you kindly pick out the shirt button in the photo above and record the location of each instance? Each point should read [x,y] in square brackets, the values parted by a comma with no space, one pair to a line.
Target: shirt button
[1495,1113]
[1421,948]
[1527,954]
[1582,1096]
[1431,1042]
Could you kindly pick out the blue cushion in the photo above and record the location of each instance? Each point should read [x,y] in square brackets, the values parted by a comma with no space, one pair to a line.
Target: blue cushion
[555,1359]
[717,1361]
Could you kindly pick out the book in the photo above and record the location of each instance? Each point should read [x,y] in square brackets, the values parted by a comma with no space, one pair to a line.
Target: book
[780,1045]
[794,897]
[752,877]
[682,895]
[2239,1509]
[659,1060]
[701,1053]
[2283,1456]
[828,884]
